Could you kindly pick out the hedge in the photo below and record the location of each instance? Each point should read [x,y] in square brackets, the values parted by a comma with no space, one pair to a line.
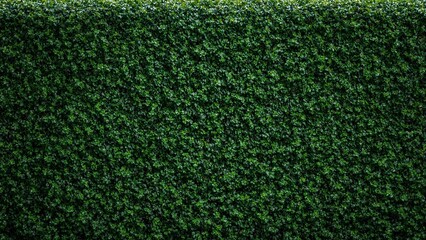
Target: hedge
[212,120]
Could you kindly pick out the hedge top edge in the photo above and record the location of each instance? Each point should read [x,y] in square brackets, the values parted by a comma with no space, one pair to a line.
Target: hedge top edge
[419,3]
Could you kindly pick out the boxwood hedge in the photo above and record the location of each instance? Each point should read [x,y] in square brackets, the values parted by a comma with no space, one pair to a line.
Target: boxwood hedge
[212,119]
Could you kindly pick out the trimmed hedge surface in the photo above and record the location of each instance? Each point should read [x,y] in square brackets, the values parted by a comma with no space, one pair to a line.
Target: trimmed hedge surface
[207,120]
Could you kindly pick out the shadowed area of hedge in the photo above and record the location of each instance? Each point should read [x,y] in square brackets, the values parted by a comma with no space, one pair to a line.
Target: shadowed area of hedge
[207,120]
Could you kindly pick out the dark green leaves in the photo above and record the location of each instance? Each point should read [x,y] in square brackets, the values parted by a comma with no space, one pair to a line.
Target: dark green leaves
[207,120]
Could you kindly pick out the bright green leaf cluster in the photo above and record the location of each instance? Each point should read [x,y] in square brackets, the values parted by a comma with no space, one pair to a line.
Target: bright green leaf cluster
[212,119]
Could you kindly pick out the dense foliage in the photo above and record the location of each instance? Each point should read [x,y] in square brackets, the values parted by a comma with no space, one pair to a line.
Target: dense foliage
[206,120]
